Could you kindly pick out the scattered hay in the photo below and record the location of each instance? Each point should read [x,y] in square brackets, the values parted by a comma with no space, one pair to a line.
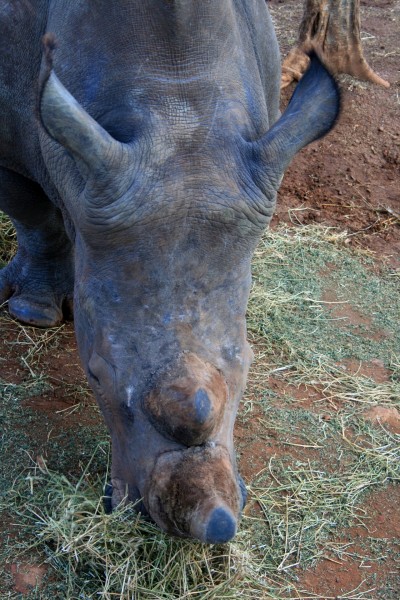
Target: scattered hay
[294,509]
[8,240]
[298,336]
[122,555]
[296,504]
[32,341]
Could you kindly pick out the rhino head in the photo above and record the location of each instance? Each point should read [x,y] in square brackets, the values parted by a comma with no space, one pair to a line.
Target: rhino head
[165,228]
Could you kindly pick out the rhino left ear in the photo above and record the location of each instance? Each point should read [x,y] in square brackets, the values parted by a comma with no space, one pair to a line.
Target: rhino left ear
[310,114]
[94,150]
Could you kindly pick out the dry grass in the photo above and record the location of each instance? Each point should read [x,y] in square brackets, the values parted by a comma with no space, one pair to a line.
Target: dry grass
[295,506]
[8,239]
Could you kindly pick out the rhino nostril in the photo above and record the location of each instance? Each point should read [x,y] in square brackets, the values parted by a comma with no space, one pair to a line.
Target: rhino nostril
[202,406]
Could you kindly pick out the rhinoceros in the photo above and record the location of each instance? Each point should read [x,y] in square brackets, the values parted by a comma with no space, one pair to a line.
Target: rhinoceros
[141,150]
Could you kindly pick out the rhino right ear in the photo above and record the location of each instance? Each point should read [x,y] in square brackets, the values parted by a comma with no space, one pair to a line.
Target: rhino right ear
[69,124]
[310,114]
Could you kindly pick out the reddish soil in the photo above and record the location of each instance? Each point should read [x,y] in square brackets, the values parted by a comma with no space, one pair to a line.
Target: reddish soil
[27,576]
[69,404]
[349,180]
[337,576]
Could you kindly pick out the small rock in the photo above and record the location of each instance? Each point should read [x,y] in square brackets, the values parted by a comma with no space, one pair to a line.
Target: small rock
[378,362]
[27,577]
[384,415]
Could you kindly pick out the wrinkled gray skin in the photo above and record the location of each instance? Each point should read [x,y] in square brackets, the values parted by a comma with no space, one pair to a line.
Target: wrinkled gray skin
[141,192]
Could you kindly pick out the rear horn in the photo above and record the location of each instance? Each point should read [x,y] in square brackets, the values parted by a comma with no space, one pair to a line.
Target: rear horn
[188,404]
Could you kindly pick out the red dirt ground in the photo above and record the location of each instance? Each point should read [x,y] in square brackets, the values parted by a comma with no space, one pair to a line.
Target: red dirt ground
[348,180]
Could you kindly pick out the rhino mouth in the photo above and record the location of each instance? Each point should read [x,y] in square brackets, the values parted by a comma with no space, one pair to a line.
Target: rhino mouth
[192,493]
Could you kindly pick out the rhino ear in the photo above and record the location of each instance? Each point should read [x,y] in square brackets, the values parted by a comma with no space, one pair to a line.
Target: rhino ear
[310,114]
[93,149]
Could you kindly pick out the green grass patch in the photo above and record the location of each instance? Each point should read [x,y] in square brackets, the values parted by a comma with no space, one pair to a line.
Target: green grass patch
[296,272]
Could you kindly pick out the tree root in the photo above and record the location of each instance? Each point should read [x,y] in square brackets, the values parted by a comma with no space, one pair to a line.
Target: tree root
[332,29]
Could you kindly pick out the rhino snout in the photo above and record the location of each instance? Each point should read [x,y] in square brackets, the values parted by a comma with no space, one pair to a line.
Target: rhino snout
[194,493]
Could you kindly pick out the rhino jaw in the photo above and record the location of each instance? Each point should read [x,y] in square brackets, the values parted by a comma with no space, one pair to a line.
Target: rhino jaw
[195,493]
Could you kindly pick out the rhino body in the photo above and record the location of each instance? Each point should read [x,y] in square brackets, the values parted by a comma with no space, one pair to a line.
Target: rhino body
[139,162]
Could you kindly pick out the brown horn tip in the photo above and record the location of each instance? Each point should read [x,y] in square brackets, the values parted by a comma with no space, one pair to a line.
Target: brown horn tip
[217,527]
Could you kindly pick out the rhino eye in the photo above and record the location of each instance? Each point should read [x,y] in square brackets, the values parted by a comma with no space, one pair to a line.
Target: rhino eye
[93,377]
[101,372]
